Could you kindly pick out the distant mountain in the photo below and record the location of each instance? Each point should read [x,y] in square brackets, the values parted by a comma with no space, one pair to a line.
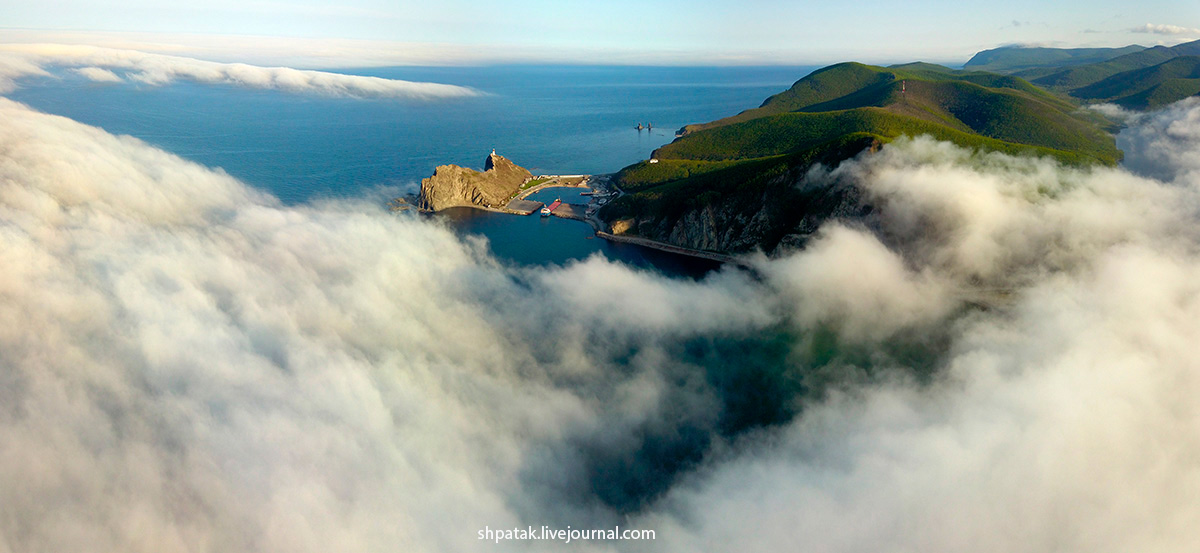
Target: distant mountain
[1010,59]
[1125,76]
[729,185]
[1148,87]
[1071,78]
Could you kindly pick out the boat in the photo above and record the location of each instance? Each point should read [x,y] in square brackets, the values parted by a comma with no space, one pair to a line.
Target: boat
[547,210]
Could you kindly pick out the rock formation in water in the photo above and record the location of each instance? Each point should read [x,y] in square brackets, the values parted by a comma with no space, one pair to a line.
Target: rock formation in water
[454,186]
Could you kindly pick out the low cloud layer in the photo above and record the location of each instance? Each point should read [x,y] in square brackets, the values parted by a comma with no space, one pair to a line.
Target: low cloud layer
[1162,144]
[115,65]
[1001,360]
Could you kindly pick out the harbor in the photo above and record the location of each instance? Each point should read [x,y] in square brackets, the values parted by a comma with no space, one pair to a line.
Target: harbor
[520,204]
[599,190]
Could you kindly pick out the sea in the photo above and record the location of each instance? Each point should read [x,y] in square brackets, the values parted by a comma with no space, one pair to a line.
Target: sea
[549,119]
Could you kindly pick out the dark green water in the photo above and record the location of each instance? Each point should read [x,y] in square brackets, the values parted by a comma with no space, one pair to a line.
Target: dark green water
[536,240]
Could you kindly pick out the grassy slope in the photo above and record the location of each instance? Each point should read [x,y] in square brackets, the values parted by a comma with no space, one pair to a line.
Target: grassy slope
[851,97]
[849,85]
[822,85]
[797,131]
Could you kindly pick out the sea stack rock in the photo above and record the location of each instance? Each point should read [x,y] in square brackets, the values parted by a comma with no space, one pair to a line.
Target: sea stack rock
[454,186]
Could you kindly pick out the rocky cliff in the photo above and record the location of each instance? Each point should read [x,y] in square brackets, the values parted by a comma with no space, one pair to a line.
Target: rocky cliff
[771,206]
[777,218]
[453,186]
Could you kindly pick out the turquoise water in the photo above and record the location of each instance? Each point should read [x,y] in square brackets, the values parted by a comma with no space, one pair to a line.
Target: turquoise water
[550,119]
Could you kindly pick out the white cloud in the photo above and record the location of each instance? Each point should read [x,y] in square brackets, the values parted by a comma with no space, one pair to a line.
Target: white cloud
[99,75]
[15,67]
[1162,144]
[847,280]
[1112,111]
[1161,29]
[18,60]
[187,364]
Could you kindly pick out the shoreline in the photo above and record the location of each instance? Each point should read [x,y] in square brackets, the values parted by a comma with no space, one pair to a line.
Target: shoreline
[593,221]
[672,248]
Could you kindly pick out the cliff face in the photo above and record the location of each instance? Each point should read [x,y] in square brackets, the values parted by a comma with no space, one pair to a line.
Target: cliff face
[780,217]
[453,186]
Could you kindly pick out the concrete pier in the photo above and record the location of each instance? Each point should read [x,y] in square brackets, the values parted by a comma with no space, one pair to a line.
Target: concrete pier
[524,207]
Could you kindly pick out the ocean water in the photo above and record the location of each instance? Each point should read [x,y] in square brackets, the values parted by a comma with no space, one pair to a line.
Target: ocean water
[550,119]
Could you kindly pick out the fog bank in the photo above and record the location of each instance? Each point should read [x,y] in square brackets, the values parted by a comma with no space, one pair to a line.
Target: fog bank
[101,65]
[1001,361]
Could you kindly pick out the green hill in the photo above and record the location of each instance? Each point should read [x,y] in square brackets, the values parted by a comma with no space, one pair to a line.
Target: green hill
[1148,87]
[820,86]
[1010,59]
[962,106]
[721,185]
[853,85]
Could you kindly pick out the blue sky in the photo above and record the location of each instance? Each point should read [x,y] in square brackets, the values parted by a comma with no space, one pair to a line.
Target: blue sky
[625,31]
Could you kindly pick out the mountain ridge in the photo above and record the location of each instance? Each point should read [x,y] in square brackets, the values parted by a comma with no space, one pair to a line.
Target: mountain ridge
[1126,77]
[1018,57]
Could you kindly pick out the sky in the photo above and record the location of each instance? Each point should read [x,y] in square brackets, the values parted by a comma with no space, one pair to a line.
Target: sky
[380,32]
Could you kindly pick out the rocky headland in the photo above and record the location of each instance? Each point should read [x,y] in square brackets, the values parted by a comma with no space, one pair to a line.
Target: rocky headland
[454,186]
